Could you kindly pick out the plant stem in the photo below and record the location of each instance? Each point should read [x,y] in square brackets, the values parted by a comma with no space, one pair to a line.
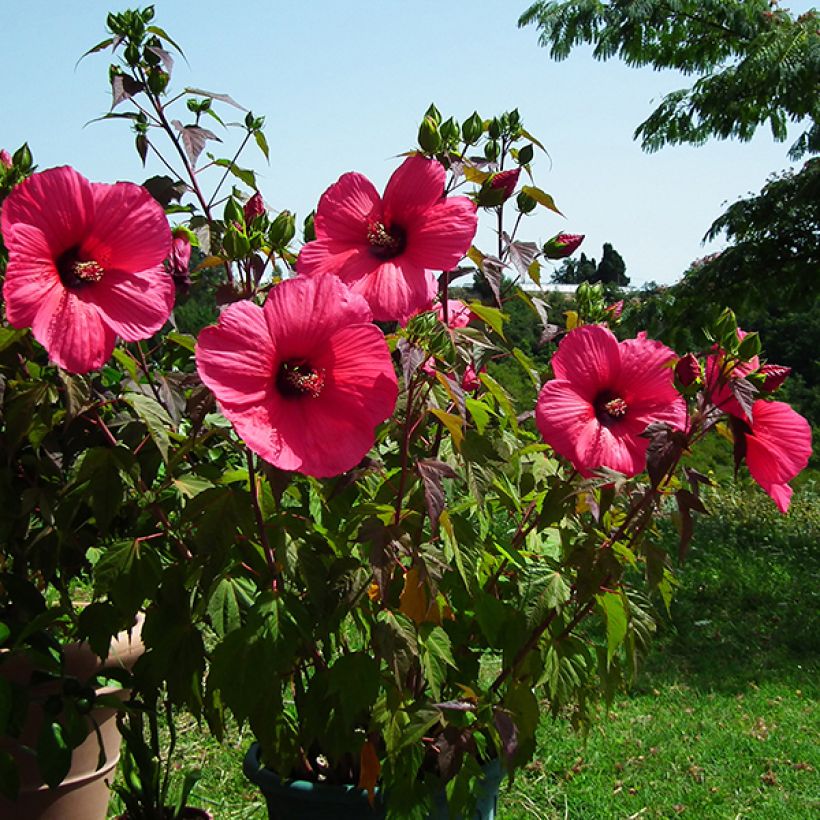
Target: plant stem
[276,579]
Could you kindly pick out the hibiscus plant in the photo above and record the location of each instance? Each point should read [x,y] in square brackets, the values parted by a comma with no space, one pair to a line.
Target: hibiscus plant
[341,527]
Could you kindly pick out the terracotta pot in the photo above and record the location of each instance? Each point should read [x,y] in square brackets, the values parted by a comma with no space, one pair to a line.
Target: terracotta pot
[84,793]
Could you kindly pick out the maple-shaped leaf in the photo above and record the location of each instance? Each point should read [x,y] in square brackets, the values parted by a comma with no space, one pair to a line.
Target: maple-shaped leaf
[193,139]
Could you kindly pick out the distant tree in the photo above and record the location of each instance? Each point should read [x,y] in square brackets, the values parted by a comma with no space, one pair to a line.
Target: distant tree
[612,268]
[755,63]
[575,271]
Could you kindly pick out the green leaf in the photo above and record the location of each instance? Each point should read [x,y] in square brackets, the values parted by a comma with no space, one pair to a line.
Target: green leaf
[436,656]
[246,175]
[53,753]
[614,606]
[531,138]
[262,142]
[128,572]
[479,412]
[453,423]
[99,47]
[155,418]
[501,396]
[103,467]
[163,36]
[223,606]
[8,336]
[190,485]
[492,316]
[183,339]
[542,198]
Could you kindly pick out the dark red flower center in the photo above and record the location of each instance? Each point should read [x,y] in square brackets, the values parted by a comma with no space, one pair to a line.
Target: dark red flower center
[76,273]
[299,378]
[384,243]
[610,408]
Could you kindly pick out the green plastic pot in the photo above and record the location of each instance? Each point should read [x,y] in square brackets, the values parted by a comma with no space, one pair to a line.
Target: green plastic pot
[291,799]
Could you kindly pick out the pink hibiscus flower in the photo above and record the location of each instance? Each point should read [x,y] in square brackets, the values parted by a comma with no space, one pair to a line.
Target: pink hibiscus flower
[458,314]
[778,447]
[85,265]
[604,395]
[305,379]
[387,249]
[718,373]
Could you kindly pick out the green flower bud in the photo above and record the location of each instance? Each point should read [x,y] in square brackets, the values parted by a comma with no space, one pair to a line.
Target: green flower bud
[429,137]
[434,114]
[308,228]
[450,131]
[282,230]
[472,129]
[525,203]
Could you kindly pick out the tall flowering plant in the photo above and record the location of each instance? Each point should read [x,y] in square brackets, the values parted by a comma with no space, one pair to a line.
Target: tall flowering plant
[341,526]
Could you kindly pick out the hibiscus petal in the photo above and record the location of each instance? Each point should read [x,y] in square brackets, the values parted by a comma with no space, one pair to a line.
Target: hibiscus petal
[58,201]
[588,357]
[361,381]
[303,313]
[778,448]
[31,277]
[397,290]
[338,258]
[439,237]
[130,231]
[646,382]
[416,185]
[135,305]
[345,208]
[258,426]
[562,415]
[613,447]
[236,357]
[73,333]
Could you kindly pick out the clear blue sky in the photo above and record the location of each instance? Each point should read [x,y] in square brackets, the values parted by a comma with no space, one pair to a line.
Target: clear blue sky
[343,86]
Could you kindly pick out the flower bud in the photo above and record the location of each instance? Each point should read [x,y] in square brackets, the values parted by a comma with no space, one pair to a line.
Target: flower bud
[472,128]
[5,158]
[774,376]
[254,207]
[525,202]
[282,229]
[179,260]
[470,381]
[687,369]
[429,137]
[615,310]
[505,181]
[562,245]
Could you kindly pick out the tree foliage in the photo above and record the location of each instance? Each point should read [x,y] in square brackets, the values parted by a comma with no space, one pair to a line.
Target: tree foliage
[611,270]
[755,62]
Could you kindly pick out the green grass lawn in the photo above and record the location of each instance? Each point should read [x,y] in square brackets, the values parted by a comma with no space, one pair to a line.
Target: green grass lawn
[722,722]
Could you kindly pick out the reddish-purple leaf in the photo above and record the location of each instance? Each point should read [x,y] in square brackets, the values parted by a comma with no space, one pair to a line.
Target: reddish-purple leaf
[193,139]
[745,393]
[432,472]
[123,87]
